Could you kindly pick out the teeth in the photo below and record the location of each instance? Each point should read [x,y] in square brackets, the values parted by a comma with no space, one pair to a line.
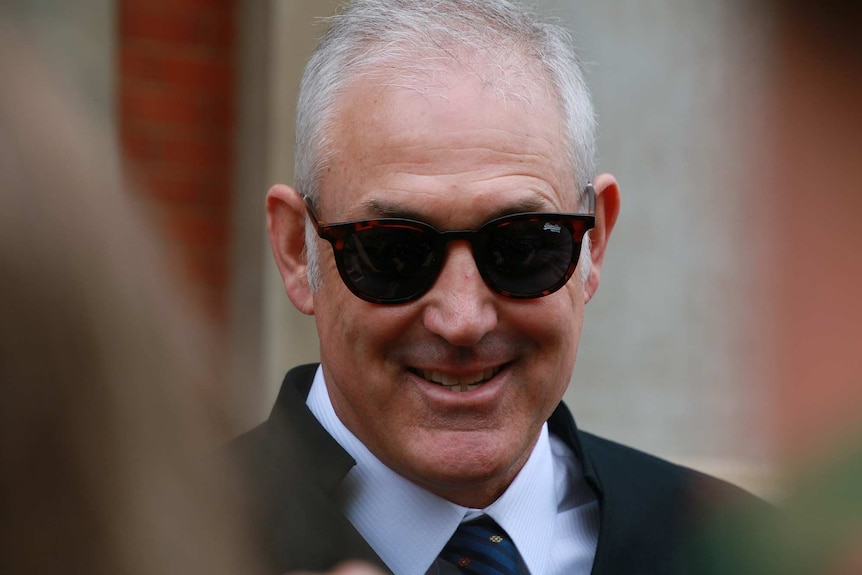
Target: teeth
[459,383]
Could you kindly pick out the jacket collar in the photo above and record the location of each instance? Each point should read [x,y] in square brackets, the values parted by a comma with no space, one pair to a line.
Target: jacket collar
[321,453]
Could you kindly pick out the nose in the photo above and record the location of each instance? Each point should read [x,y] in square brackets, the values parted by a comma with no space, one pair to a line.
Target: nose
[460,308]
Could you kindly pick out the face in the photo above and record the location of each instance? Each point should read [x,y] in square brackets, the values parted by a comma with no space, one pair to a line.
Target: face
[454,158]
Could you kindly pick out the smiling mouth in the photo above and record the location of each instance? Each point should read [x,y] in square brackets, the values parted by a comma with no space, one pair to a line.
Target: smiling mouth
[458,383]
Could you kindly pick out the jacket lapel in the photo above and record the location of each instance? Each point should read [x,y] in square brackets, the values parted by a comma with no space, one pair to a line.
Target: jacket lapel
[562,424]
[300,465]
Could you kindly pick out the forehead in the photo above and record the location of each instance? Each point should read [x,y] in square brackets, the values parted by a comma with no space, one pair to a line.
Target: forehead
[454,129]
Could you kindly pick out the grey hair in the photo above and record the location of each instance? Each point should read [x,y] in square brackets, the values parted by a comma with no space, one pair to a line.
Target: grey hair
[410,40]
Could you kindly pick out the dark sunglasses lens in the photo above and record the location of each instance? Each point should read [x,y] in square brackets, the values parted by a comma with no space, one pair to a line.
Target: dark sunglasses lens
[389,264]
[528,258]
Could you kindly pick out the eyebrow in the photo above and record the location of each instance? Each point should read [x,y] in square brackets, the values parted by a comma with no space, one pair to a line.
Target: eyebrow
[382,209]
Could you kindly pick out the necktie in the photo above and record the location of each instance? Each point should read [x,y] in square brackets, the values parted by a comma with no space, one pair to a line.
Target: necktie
[481,547]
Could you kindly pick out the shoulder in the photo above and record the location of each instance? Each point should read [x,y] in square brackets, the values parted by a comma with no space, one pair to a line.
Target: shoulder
[650,507]
[289,465]
[637,479]
[637,473]
[288,412]
[291,439]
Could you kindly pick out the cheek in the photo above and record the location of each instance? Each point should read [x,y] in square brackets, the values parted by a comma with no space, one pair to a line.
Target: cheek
[553,326]
[339,314]
[356,336]
[568,316]
[559,319]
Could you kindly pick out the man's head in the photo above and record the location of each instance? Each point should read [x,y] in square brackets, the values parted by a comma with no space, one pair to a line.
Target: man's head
[453,114]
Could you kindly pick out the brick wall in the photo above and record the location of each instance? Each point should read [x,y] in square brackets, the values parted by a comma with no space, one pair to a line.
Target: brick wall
[176,119]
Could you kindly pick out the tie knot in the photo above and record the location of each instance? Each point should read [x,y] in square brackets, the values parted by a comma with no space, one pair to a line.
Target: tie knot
[482,547]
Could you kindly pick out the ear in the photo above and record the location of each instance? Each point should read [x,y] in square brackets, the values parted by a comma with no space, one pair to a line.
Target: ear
[285,223]
[607,210]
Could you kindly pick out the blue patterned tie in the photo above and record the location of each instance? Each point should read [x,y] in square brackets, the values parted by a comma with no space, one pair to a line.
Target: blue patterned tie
[481,547]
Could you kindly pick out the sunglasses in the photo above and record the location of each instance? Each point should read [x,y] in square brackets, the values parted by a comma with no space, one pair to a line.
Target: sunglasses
[395,260]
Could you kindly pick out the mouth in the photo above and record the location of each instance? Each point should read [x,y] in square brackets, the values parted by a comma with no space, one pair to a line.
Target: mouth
[458,383]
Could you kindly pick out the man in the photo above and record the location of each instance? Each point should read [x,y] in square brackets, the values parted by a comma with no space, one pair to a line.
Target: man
[446,230]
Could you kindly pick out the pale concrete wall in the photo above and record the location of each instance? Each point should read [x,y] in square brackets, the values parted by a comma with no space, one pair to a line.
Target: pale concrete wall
[77,41]
[291,336]
[268,335]
[662,363]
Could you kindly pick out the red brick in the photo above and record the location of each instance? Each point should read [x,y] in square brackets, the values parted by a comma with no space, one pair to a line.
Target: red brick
[194,70]
[182,23]
[212,154]
[208,265]
[195,153]
[153,106]
[214,74]
[176,108]
[195,228]
[176,101]
[135,127]
[171,188]
[137,148]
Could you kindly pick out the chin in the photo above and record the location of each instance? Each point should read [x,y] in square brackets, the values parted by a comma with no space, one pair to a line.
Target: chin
[464,468]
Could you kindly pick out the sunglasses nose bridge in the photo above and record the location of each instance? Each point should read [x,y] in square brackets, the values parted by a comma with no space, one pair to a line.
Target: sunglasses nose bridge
[445,241]
[446,238]
[459,305]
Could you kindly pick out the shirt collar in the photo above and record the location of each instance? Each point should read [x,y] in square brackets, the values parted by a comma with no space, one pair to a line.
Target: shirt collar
[527,510]
[380,503]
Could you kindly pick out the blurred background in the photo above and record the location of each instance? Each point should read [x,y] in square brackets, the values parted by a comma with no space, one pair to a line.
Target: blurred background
[200,94]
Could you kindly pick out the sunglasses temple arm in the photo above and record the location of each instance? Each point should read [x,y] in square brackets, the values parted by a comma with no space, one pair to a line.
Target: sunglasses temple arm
[590,192]
[310,207]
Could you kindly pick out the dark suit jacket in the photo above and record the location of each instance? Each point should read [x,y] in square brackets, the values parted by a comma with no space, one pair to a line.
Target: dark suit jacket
[647,505]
